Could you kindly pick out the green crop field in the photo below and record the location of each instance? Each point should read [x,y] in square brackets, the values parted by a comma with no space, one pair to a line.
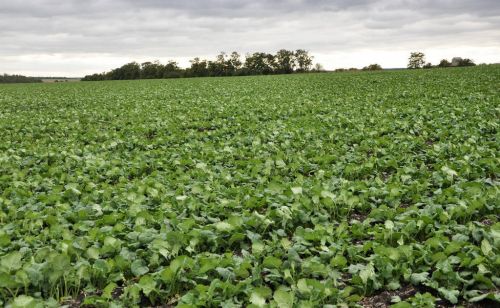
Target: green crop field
[303,190]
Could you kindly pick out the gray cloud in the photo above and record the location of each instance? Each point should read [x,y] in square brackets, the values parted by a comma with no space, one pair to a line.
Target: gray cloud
[128,29]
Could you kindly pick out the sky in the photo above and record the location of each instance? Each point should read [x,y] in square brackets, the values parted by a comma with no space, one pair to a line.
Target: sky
[74,38]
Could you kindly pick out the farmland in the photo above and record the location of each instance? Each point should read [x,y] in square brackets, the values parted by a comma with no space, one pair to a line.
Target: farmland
[300,190]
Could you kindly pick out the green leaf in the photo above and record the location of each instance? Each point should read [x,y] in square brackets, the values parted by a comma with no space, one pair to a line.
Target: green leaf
[138,268]
[450,295]
[326,194]
[417,278]
[263,292]
[257,299]
[11,261]
[259,295]
[389,224]
[486,247]
[490,296]
[107,292]
[8,281]
[296,190]
[24,301]
[367,273]
[393,285]
[280,163]
[339,261]
[93,253]
[284,299]
[147,284]
[402,304]
[271,262]
[258,247]
[223,226]
[448,171]
[303,287]
[111,244]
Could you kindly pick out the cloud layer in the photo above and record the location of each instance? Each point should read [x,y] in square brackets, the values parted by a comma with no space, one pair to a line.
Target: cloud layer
[73,38]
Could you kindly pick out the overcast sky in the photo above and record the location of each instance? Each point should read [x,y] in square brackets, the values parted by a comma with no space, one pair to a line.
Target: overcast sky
[76,37]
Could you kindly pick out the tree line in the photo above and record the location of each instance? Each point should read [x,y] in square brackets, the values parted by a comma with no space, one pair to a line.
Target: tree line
[258,63]
[371,67]
[417,60]
[18,79]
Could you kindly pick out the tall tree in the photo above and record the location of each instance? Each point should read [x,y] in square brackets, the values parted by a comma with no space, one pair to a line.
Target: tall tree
[199,68]
[150,70]
[416,60]
[218,67]
[128,71]
[456,61]
[466,62]
[303,60]
[318,67]
[372,67]
[233,64]
[284,61]
[172,70]
[444,63]
[259,63]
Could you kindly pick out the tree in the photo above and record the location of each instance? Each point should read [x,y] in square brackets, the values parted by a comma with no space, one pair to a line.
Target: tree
[172,70]
[284,61]
[456,61]
[18,79]
[217,67]
[151,70]
[303,60]
[128,71]
[233,64]
[259,63]
[94,77]
[372,67]
[225,65]
[428,65]
[467,62]
[444,63]
[416,60]
[199,68]
[318,68]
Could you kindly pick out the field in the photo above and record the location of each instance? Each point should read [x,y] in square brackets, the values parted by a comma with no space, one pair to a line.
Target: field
[291,191]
